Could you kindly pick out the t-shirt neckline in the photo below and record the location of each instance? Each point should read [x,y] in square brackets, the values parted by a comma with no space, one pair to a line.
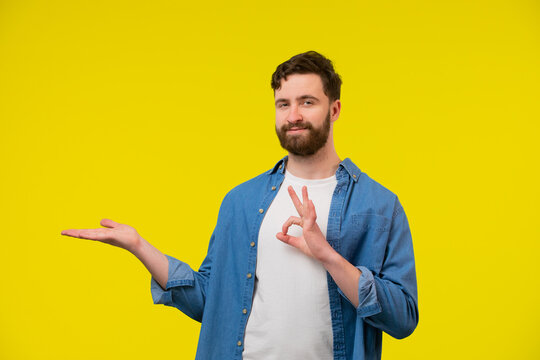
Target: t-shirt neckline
[298,180]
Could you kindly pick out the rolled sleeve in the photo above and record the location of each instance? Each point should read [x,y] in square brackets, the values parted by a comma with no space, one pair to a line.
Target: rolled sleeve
[368,304]
[179,274]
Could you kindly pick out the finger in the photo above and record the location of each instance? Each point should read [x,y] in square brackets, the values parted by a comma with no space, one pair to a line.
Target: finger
[288,239]
[311,207]
[90,234]
[294,241]
[284,237]
[296,201]
[94,234]
[71,232]
[305,201]
[75,232]
[108,223]
[293,220]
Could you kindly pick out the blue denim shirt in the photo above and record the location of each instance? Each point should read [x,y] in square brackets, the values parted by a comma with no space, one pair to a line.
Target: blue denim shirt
[366,225]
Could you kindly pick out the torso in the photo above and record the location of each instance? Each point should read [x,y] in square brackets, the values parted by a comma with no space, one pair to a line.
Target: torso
[290,316]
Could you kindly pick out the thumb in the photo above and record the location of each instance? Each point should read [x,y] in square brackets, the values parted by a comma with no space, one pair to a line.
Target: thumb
[108,223]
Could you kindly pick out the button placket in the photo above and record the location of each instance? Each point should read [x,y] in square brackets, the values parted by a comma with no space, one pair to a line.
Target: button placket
[248,283]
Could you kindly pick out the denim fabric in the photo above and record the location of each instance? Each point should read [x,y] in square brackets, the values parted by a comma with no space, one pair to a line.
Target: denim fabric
[366,225]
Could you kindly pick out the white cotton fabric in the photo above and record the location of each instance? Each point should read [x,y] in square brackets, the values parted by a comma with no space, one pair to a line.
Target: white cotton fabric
[290,317]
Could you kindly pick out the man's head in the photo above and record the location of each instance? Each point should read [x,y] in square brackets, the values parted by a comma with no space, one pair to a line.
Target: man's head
[306,91]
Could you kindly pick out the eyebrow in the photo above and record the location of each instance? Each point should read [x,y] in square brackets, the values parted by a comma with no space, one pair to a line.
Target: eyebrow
[303,97]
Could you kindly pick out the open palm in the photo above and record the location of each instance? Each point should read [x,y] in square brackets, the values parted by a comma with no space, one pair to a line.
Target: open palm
[116,234]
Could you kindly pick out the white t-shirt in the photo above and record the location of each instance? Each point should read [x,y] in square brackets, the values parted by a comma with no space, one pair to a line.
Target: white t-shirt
[290,317]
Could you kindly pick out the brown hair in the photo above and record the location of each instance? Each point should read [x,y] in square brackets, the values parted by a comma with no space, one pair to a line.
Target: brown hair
[307,63]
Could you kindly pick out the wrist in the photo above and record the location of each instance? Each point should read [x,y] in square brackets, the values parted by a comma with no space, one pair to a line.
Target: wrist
[330,258]
[137,246]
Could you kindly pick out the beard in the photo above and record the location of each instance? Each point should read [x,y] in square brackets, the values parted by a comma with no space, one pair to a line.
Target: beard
[304,144]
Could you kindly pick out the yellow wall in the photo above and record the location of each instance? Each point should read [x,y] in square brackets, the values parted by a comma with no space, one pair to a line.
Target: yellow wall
[148,112]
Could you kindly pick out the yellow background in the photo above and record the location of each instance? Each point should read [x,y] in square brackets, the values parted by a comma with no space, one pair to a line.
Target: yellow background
[148,112]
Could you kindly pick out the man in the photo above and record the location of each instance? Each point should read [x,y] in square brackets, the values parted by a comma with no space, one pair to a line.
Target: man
[310,260]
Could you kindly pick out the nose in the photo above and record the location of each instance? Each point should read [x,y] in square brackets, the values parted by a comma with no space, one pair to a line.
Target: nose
[294,115]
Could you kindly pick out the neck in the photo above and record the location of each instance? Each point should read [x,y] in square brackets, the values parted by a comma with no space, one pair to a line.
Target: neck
[322,164]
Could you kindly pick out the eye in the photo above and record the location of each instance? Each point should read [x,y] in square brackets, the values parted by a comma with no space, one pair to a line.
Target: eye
[308,102]
[282,105]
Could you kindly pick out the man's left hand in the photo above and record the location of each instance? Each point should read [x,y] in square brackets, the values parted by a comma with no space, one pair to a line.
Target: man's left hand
[312,241]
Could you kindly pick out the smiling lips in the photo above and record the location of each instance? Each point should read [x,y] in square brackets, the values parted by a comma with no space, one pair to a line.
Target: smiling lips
[296,129]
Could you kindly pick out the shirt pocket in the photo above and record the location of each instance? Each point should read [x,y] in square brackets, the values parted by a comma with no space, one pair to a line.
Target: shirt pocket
[371,222]
[371,232]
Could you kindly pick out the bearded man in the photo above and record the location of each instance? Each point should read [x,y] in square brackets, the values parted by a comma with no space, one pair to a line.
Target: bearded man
[325,288]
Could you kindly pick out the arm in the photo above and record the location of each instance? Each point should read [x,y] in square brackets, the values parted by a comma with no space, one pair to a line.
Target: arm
[387,301]
[393,292]
[154,260]
[185,288]
[173,282]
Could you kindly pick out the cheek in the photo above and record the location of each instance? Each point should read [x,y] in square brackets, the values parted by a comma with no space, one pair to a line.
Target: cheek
[319,113]
[280,119]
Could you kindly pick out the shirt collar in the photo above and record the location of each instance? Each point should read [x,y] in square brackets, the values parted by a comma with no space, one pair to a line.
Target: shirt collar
[280,165]
[351,168]
[347,164]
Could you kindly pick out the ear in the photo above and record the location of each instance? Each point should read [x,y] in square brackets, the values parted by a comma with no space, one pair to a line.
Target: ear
[335,109]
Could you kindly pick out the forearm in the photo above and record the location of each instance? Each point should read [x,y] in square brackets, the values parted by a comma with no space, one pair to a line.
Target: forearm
[396,311]
[345,274]
[154,260]
[398,315]
[184,289]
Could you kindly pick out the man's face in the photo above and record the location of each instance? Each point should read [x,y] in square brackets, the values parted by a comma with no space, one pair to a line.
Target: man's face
[302,114]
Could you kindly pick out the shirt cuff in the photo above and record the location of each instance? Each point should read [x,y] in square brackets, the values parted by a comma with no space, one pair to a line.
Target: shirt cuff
[368,303]
[179,274]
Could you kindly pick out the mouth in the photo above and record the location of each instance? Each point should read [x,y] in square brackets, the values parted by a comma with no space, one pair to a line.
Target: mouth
[295,130]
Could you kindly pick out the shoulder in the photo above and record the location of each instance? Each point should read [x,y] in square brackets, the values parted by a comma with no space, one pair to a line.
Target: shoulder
[256,186]
[364,183]
[372,195]
[249,189]
[368,184]
[377,193]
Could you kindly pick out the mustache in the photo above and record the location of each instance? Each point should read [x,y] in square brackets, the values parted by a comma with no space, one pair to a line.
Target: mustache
[299,125]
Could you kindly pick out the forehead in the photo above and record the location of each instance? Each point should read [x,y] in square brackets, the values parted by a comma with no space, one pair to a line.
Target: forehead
[300,84]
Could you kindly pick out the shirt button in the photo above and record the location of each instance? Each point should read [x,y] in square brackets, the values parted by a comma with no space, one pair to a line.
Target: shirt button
[252,244]
[244,311]
[354,176]
[273,188]
[280,166]
[249,275]
[261,211]
[239,343]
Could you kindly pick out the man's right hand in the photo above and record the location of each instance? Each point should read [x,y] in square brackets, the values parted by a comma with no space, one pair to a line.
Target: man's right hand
[121,235]
[126,237]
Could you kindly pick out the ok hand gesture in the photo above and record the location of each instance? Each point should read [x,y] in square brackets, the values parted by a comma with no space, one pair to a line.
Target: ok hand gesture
[312,242]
